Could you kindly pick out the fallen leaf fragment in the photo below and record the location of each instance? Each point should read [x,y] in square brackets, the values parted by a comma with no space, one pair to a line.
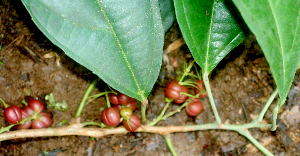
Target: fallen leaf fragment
[175,45]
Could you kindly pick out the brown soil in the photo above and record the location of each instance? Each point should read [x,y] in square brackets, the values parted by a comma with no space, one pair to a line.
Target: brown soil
[241,84]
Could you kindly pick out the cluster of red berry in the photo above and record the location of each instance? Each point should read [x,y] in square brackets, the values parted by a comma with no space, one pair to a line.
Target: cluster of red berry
[174,91]
[33,112]
[123,106]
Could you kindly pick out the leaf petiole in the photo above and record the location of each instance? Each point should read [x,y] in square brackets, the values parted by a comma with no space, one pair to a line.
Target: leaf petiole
[143,111]
[107,101]
[85,97]
[211,99]
[267,105]
[274,116]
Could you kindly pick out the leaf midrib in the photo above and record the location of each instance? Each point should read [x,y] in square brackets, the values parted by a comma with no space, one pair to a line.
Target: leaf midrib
[229,44]
[120,46]
[209,38]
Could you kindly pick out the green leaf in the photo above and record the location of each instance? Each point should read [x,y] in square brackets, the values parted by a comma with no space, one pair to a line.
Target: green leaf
[209,30]
[167,11]
[275,23]
[120,41]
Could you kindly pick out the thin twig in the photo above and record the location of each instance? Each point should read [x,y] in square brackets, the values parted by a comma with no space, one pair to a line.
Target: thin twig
[11,43]
[155,121]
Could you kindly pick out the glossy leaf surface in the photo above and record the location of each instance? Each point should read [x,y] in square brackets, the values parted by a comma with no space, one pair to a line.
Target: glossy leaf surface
[120,41]
[275,24]
[210,31]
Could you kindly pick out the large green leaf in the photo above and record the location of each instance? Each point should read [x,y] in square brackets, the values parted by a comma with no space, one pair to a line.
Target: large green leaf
[209,30]
[120,41]
[167,11]
[275,23]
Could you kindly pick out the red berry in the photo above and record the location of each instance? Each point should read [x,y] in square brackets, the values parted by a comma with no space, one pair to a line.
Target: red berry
[36,105]
[182,97]
[113,98]
[132,105]
[120,99]
[111,116]
[26,125]
[124,99]
[26,111]
[118,107]
[194,108]
[42,120]
[173,90]
[134,121]
[13,114]
[200,85]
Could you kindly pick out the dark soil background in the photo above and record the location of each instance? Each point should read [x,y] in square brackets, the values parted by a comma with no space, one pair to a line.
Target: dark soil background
[241,84]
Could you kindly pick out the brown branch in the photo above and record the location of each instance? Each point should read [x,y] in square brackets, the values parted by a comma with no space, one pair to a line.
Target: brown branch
[75,129]
[78,129]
